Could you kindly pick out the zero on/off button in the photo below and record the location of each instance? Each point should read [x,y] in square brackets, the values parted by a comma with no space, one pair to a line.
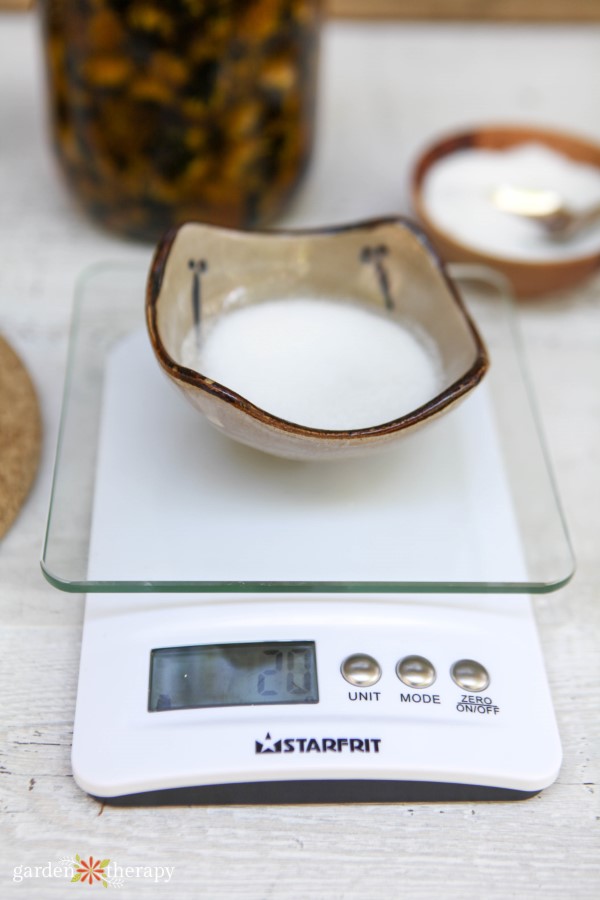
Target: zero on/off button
[470,675]
[361,670]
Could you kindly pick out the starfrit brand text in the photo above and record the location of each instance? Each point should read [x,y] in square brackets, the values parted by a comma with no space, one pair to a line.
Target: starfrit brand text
[318,745]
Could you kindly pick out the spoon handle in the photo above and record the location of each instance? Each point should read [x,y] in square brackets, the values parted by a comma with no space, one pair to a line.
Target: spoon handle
[566,224]
[587,216]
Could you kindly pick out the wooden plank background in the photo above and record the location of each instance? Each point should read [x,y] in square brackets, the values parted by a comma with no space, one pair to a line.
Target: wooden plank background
[477,10]
[482,10]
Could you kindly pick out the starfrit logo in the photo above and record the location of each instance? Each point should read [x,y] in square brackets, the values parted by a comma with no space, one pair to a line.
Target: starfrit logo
[317,745]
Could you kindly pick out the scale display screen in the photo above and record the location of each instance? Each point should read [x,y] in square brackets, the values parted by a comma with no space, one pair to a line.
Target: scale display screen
[232,675]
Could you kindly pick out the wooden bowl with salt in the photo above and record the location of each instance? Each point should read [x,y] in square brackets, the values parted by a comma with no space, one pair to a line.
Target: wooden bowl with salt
[529,278]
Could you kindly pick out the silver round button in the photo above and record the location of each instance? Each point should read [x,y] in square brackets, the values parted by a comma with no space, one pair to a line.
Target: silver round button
[416,671]
[361,670]
[470,675]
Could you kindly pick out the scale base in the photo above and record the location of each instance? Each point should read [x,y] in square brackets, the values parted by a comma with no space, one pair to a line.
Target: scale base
[436,744]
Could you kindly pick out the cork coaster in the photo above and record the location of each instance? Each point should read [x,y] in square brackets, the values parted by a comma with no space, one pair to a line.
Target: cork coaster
[20,435]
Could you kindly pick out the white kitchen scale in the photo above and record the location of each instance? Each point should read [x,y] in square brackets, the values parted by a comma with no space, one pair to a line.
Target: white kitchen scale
[258,630]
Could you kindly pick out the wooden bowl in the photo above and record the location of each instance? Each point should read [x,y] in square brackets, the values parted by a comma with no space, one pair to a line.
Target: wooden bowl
[529,279]
[387,265]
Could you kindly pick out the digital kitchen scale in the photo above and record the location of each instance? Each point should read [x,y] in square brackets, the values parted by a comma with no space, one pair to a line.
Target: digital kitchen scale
[259,630]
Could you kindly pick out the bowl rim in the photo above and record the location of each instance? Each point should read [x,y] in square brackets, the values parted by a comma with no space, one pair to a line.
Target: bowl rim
[470,138]
[461,386]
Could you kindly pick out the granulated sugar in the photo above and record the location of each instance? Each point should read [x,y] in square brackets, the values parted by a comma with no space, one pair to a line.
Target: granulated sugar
[458,191]
[317,362]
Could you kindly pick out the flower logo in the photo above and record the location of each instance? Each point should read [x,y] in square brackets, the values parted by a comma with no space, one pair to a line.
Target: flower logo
[91,871]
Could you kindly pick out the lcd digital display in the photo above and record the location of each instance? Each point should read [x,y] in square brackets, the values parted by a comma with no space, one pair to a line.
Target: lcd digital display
[232,675]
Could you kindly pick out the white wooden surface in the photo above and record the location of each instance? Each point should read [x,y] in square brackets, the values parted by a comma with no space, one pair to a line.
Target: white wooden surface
[386,90]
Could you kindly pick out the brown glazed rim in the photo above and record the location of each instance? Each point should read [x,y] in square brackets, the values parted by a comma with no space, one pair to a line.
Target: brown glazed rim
[457,389]
[501,137]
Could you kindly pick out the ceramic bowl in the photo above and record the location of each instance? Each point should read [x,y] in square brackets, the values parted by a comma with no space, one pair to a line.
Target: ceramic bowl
[529,279]
[387,265]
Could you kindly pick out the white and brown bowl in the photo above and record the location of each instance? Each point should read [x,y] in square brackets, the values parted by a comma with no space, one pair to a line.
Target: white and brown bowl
[201,271]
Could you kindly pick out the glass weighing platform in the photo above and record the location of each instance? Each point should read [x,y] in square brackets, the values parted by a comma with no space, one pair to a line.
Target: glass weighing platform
[262,630]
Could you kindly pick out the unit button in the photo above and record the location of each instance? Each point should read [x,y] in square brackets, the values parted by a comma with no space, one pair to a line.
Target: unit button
[361,670]
[416,671]
[470,675]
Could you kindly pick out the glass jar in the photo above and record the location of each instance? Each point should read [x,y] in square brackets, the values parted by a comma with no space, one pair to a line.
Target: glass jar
[191,109]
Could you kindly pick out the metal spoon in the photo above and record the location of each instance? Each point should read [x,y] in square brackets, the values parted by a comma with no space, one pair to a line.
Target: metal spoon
[545,207]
